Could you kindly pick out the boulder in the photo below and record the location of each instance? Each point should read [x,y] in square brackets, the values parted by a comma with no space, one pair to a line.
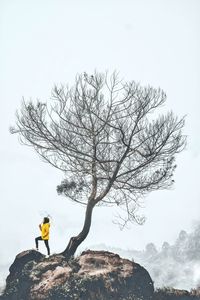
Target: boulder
[94,275]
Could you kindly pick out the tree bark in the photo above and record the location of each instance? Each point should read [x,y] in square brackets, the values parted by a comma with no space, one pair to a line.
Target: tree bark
[75,241]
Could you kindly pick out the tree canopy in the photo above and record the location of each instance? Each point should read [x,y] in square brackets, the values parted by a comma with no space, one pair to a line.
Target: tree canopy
[104,135]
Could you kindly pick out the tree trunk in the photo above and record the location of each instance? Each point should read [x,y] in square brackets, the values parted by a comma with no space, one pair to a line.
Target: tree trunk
[74,242]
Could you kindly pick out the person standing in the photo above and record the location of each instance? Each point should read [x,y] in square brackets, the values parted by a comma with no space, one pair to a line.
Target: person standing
[44,228]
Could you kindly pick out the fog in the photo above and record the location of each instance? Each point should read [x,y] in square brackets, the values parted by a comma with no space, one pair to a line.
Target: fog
[176,265]
[46,42]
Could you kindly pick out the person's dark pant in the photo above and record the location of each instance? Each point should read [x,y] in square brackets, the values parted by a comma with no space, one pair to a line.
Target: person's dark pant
[39,238]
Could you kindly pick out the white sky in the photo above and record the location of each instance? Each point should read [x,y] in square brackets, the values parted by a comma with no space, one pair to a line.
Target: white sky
[46,42]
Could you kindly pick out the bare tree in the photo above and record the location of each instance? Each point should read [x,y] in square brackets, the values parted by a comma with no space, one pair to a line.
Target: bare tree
[103,135]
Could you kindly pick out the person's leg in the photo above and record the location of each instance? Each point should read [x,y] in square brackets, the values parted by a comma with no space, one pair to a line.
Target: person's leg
[47,246]
[39,238]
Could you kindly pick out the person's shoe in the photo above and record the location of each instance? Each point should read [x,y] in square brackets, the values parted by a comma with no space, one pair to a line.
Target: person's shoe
[47,256]
[36,249]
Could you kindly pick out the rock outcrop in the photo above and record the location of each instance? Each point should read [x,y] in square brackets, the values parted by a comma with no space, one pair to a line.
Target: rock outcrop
[175,294]
[94,275]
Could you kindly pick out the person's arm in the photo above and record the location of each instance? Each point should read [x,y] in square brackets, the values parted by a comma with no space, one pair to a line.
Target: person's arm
[40,227]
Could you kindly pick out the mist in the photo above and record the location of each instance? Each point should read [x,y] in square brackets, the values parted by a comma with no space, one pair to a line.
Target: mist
[152,42]
[174,266]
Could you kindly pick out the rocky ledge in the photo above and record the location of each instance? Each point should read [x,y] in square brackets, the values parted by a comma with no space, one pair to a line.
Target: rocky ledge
[175,294]
[94,275]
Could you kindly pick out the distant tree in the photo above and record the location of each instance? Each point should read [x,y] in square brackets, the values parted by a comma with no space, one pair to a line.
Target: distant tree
[103,135]
[181,247]
[151,249]
[182,236]
[192,244]
[165,248]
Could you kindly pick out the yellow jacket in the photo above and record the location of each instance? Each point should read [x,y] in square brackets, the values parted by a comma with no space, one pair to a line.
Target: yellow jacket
[45,231]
